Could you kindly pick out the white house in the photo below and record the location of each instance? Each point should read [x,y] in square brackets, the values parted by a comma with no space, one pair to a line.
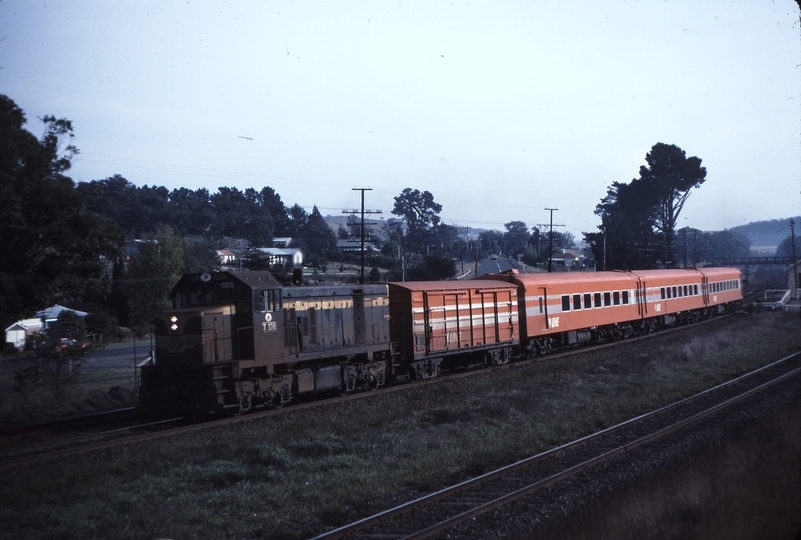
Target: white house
[226,256]
[292,257]
[18,333]
[51,314]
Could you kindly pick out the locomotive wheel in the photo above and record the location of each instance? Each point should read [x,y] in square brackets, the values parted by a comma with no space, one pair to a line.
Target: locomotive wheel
[370,382]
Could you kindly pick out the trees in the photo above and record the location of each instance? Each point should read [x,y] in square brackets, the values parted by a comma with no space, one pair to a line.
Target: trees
[785,248]
[52,248]
[318,239]
[669,176]
[516,238]
[420,214]
[638,220]
[154,269]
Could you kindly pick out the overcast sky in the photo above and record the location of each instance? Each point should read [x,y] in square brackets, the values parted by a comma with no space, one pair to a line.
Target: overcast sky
[499,109]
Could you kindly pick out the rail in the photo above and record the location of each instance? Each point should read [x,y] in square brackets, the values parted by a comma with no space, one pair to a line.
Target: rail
[474,497]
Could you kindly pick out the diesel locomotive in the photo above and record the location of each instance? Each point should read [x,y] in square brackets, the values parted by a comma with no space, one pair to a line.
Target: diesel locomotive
[236,340]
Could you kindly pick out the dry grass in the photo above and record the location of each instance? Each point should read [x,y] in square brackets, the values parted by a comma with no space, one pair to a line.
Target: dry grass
[726,490]
[297,474]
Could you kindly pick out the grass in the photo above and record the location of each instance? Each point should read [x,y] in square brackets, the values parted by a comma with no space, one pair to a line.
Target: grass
[297,474]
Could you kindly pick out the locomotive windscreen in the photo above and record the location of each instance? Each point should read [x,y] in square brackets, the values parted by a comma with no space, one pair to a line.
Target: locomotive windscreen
[199,293]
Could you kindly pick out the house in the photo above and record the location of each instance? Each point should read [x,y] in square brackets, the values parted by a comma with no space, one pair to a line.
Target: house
[568,258]
[17,334]
[289,257]
[355,246]
[282,242]
[49,318]
[226,256]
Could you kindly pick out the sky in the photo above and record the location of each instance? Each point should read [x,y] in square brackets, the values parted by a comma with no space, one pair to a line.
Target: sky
[499,109]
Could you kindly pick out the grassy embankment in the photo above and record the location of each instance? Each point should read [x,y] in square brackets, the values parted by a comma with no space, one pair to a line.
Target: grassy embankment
[87,392]
[294,475]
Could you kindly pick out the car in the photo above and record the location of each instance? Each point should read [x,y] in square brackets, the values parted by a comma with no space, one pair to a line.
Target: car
[493,257]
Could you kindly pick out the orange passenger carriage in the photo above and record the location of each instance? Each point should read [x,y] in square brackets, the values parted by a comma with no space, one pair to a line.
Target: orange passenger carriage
[453,322]
[571,308]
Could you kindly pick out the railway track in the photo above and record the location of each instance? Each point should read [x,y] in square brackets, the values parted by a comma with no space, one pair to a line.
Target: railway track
[454,509]
[74,422]
[28,444]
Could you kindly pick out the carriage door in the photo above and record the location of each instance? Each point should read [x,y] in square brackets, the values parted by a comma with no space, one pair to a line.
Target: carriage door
[643,298]
[358,316]
[542,308]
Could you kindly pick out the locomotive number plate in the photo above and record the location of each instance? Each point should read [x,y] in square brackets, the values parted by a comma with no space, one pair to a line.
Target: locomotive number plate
[269,327]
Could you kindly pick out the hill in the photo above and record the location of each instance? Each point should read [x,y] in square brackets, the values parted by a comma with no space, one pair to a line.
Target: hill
[767,233]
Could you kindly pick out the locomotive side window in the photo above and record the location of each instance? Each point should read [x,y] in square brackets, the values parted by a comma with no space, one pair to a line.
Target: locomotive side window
[597,298]
[566,303]
[270,300]
[587,301]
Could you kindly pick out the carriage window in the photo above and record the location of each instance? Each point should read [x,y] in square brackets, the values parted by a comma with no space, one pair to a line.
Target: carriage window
[662,292]
[607,299]
[617,298]
[576,301]
[587,300]
[685,291]
[668,293]
[696,289]
[541,304]
[597,298]
[625,297]
[680,293]
[566,303]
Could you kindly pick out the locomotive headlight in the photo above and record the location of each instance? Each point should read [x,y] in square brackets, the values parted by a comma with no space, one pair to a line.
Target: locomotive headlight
[174,325]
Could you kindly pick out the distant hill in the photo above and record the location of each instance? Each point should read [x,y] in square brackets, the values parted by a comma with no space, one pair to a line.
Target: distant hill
[768,233]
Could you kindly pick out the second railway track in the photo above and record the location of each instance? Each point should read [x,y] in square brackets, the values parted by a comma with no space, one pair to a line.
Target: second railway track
[453,507]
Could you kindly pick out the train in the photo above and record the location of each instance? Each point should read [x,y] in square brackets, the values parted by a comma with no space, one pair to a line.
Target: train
[239,340]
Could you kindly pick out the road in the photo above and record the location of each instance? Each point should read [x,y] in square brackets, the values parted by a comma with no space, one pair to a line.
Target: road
[490,266]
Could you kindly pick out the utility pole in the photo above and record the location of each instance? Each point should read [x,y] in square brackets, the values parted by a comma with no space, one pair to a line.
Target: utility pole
[795,259]
[362,212]
[685,247]
[550,237]
[604,249]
